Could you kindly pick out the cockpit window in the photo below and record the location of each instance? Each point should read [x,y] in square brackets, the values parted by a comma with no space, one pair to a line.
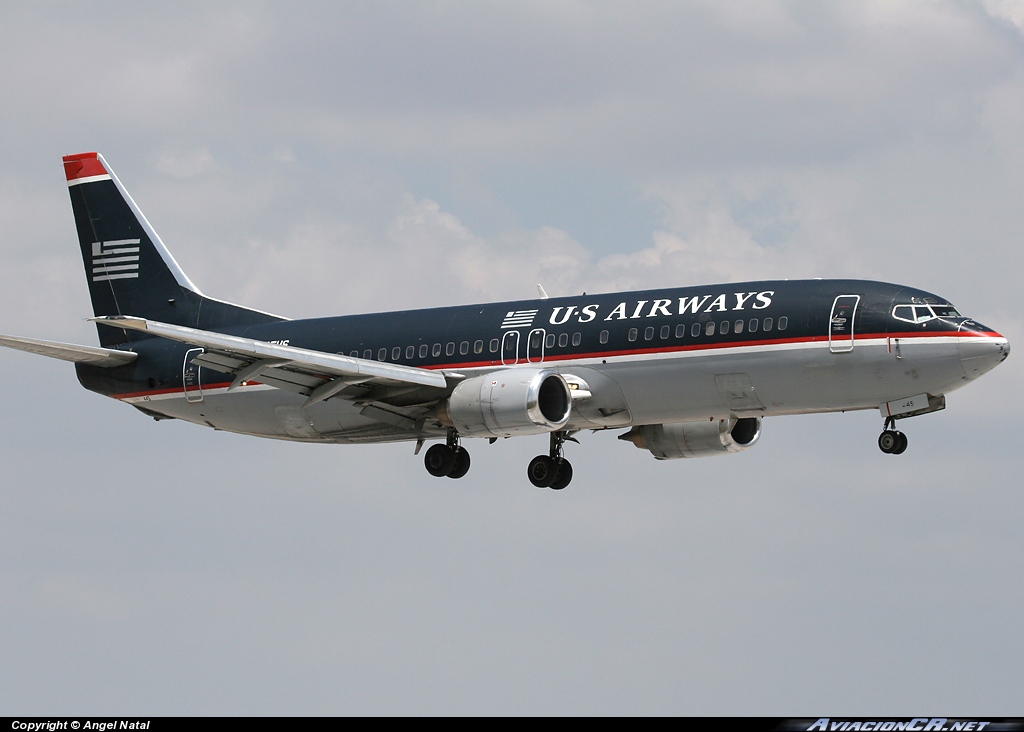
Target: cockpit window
[905,313]
[922,313]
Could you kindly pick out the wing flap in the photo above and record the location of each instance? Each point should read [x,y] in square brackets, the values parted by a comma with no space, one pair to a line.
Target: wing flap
[220,362]
[297,378]
[286,385]
[103,357]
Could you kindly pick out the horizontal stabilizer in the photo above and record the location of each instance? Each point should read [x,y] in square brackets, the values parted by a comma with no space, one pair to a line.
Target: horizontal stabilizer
[103,357]
[306,369]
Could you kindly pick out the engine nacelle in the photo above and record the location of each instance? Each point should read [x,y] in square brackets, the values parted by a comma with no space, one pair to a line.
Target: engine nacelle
[520,401]
[696,439]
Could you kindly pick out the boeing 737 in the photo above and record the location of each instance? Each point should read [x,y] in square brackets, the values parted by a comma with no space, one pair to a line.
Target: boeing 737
[684,372]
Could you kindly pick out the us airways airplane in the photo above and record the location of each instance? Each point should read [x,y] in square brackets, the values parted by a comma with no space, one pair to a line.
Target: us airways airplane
[685,372]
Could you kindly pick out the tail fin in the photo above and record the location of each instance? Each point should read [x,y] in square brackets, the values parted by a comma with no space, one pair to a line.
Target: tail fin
[128,268]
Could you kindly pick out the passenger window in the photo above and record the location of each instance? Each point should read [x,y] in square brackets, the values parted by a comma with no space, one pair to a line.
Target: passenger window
[436,350]
[695,330]
[725,327]
[737,327]
[494,345]
[382,354]
[631,335]
[410,351]
[680,330]
[666,331]
[354,354]
[368,354]
[709,329]
[563,340]
[577,338]
[423,350]
[449,349]
[767,324]
[649,333]
[604,337]
[396,353]
[783,322]
[478,347]
[549,342]
[752,325]
[464,348]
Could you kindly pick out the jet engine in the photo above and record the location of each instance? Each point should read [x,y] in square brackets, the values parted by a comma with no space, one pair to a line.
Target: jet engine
[696,439]
[520,401]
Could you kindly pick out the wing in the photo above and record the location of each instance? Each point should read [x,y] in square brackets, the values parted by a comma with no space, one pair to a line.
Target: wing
[315,374]
[103,357]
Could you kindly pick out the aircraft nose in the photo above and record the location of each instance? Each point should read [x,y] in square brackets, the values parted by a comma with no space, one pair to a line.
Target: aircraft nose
[980,353]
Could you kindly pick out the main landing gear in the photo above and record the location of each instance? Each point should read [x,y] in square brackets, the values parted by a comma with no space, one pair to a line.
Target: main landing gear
[892,442]
[450,459]
[551,471]
[545,471]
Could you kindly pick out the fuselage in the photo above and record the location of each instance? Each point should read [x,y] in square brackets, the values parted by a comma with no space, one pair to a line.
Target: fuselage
[656,356]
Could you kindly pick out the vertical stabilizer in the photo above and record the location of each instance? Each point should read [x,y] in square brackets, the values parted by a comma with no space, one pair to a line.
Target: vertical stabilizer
[127,266]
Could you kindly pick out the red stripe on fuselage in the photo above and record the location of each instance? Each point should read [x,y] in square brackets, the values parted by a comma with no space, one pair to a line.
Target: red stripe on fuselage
[609,354]
[174,390]
[944,333]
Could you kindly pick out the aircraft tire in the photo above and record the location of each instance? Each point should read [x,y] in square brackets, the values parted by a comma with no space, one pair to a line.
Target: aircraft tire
[564,475]
[901,444]
[439,460]
[461,466]
[887,442]
[542,471]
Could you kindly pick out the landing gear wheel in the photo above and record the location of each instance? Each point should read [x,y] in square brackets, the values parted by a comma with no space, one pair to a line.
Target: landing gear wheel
[440,460]
[564,476]
[543,471]
[461,463]
[892,442]
[552,470]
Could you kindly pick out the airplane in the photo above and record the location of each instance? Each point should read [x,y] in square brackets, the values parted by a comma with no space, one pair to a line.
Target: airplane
[684,372]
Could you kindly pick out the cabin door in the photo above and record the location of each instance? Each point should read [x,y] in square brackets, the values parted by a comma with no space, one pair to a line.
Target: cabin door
[191,374]
[840,323]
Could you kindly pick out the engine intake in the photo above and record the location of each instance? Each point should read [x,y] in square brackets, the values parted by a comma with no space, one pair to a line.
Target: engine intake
[522,401]
[696,439]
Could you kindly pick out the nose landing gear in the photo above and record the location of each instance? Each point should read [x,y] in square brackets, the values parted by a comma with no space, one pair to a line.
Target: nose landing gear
[553,470]
[892,442]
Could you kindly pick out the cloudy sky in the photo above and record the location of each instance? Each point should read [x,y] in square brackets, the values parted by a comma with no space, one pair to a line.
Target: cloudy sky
[328,158]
